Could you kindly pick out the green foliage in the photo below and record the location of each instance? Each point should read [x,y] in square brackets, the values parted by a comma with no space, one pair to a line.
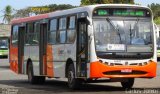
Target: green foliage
[22,13]
[155,9]
[157,20]
[41,10]
[7,14]
[91,2]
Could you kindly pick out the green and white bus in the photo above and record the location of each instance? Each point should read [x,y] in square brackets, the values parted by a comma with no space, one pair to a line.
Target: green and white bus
[4,49]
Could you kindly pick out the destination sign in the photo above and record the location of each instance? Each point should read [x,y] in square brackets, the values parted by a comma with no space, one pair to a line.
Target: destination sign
[130,12]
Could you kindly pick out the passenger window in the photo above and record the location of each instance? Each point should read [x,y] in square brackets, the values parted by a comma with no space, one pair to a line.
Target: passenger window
[62,36]
[62,23]
[52,31]
[62,30]
[53,24]
[72,22]
[71,32]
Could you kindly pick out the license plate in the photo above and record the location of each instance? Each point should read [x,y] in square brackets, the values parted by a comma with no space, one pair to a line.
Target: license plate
[126,70]
[113,47]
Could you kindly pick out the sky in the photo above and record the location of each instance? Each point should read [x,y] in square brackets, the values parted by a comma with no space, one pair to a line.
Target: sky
[19,4]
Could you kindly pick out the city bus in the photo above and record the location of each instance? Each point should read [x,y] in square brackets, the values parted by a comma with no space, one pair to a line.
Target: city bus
[158,40]
[89,44]
[5,31]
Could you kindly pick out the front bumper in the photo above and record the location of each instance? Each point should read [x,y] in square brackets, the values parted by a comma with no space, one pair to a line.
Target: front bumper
[100,70]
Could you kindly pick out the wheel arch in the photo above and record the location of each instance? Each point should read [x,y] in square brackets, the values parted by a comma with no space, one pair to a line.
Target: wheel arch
[68,62]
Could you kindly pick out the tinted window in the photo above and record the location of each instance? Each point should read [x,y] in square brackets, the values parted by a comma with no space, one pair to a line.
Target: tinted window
[52,31]
[62,23]
[71,36]
[62,36]
[52,37]
[72,22]
[15,35]
[31,27]
[71,32]
[32,34]
[53,24]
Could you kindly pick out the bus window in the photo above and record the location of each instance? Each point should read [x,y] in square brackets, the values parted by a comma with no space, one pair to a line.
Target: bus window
[62,30]
[52,31]
[71,32]
[72,22]
[35,34]
[4,44]
[31,36]
[15,35]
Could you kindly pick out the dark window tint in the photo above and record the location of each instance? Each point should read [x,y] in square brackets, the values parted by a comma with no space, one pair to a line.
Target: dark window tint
[62,36]
[71,36]
[53,24]
[71,22]
[62,23]
[52,37]
[15,35]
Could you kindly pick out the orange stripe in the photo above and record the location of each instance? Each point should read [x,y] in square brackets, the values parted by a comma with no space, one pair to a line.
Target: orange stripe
[14,58]
[49,61]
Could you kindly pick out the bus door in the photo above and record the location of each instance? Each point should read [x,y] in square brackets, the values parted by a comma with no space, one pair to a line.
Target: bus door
[42,48]
[82,48]
[21,48]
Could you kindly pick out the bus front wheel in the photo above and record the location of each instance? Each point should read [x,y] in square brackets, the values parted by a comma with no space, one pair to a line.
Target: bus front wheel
[128,84]
[34,79]
[73,83]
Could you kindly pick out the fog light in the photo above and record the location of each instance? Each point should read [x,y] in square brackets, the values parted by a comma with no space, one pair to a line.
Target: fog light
[112,64]
[150,61]
[140,64]
[145,63]
[100,61]
[106,63]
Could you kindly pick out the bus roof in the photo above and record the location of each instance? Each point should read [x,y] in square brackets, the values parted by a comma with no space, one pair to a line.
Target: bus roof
[88,9]
[27,19]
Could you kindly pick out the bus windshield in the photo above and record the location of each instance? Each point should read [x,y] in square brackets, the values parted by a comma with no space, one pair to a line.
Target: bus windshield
[125,35]
[3,44]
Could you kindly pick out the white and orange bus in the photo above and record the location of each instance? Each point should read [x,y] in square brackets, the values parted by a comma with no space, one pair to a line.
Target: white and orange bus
[97,43]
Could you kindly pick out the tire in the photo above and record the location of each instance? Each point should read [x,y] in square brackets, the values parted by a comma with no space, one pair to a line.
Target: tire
[128,84]
[34,79]
[73,83]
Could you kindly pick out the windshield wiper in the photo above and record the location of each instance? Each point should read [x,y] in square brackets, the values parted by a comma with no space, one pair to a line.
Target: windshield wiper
[130,35]
[116,29]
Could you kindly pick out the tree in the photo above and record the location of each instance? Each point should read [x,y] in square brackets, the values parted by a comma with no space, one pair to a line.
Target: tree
[155,9]
[156,12]
[91,2]
[7,14]
[41,10]
[22,13]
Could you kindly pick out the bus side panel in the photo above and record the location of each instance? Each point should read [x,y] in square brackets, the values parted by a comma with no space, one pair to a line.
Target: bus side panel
[50,61]
[14,59]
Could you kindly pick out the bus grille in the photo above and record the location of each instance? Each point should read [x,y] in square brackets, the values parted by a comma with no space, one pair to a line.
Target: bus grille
[121,73]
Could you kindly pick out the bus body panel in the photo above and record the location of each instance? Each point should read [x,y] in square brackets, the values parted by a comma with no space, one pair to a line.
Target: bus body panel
[14,59]
[61,53]
[101,70]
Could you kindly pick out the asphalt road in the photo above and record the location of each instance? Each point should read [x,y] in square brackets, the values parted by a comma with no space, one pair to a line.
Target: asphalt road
[11,83]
